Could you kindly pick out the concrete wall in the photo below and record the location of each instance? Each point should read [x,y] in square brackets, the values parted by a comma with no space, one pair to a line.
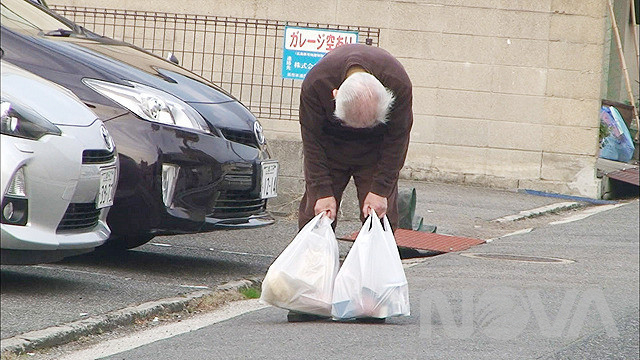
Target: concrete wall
[507,92]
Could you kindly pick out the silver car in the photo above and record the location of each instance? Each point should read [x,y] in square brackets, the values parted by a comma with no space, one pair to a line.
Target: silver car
[59,171]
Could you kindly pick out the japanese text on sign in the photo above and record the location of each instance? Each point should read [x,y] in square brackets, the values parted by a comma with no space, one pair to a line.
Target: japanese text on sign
[316,40]
[304,47]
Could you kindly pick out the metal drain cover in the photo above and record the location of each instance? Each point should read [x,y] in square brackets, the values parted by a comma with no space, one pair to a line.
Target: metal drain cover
[534,259]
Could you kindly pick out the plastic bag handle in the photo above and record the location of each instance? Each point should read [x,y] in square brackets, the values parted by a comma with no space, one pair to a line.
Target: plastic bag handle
[386,226]
[375,220]
[324,219]
[384,223]
[313,222]
[368,223]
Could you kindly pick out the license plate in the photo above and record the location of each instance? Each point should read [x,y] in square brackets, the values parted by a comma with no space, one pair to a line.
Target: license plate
[106,191]
[268,187]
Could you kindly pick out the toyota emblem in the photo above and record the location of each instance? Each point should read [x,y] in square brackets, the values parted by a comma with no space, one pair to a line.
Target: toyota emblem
[257,129]
[108,141]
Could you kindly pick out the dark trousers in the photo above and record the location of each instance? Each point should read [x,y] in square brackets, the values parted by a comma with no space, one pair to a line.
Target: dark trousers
[340,176]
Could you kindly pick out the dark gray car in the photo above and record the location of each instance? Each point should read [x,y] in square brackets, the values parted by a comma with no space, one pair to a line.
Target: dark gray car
[192,157]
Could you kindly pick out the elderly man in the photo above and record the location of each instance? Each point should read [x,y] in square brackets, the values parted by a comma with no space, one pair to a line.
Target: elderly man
[355,119]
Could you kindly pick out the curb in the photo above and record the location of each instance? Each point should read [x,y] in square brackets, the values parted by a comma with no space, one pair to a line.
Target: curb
[63,334]
[540,211]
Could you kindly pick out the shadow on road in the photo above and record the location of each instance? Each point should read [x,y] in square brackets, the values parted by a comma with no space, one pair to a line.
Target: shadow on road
[151,262]
[16,282]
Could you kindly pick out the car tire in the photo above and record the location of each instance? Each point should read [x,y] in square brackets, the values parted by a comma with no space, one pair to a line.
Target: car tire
[121,243]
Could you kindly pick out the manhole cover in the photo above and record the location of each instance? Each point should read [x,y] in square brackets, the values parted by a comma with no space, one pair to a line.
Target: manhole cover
[535,259]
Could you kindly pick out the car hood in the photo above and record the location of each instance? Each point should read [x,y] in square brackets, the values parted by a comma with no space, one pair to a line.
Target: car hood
[116,61]
[229,115]
[68,60]
[53,102]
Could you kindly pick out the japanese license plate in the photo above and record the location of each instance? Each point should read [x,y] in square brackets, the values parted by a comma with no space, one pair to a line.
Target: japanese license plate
[268,186]
[106,191]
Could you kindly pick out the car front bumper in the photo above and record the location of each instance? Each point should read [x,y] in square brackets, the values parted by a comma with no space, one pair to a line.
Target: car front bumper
[217,184]
[59,186]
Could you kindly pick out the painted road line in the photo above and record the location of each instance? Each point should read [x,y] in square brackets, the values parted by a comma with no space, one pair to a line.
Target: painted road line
[161,244]
[212,249]
[194,286]
[538,211]
[519,232]
[161,332]
[586,213]
[241,253]
[78,271]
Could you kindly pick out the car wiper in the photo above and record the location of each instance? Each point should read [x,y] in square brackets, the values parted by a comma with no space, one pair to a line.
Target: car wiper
[60,32]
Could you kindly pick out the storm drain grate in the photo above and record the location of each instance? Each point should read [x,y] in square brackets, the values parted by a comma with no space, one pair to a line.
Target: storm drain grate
[522,258]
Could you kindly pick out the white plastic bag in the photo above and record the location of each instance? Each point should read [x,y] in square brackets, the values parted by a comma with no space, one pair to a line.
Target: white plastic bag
[371,282]
[302,277]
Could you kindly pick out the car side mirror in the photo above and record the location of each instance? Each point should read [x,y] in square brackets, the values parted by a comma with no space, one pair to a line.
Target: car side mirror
[171,57]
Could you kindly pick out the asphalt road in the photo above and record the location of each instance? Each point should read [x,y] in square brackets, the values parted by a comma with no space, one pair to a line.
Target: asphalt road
[168,266]
[36,297]
[467,308]
[87,285]
[82,286]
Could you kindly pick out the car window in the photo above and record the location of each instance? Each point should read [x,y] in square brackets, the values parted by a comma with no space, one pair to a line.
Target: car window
[22,15]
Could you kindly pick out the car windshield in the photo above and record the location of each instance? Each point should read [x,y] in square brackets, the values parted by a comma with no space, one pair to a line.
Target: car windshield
[22,15]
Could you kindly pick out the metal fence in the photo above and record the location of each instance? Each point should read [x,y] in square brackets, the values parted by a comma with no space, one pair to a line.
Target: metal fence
[242,55]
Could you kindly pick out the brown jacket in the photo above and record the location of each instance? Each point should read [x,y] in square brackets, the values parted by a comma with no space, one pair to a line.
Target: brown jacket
[326,140]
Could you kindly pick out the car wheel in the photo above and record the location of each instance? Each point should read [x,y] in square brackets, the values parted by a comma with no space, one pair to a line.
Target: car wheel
[121,243]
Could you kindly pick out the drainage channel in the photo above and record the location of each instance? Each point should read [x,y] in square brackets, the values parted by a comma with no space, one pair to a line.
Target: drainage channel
[411,253]
[412,244]
[521,258]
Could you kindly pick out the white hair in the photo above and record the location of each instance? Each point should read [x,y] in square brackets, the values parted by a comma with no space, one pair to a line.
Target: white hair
[362,101]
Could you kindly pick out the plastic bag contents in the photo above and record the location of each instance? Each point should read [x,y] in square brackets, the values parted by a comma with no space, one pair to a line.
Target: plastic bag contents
[618,145]
[302,277]
[371,282]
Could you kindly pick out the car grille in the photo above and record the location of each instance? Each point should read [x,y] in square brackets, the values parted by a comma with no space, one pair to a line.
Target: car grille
[232,203]
[97,156]
[79,216]
[237,182]
[237,176]
[242,137]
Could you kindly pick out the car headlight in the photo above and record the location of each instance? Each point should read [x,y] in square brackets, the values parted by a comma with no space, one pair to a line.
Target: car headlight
[151,104]
[22,121]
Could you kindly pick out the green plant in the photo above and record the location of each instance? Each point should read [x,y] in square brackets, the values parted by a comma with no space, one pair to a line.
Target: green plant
[604,132]
[250,292]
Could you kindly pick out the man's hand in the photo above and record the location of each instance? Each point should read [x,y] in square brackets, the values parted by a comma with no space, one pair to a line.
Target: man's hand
[377,203]
[327,205]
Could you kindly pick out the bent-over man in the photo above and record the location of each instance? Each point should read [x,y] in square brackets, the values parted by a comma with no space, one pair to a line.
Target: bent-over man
[355,119]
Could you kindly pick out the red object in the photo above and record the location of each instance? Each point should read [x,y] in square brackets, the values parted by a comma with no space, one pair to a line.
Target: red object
[429,241]
[630,176]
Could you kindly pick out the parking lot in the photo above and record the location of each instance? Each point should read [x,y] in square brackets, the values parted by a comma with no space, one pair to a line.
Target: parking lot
[41,296]
[93,284]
